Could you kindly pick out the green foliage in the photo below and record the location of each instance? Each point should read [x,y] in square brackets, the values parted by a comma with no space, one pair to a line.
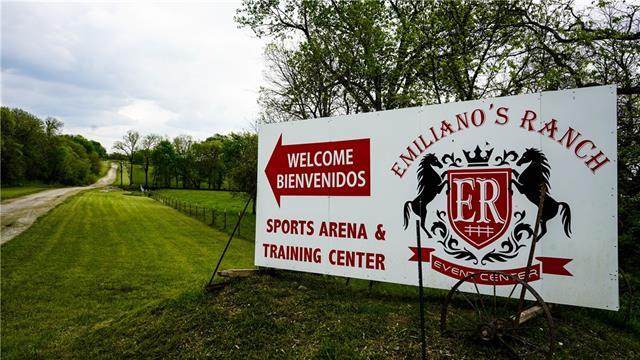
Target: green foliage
[33,150]
[376,55]
[148,143]
[240,154]
[129,145]
[163,158]
[221,161]
[208,162]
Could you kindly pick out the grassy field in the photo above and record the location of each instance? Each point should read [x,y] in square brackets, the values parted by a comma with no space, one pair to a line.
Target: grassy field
[111,275]
[101,258]
[225,204]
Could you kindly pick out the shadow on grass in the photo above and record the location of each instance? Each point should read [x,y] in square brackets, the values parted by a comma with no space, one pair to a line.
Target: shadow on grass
[294,315]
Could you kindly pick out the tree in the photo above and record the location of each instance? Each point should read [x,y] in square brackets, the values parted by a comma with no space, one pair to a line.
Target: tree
[53,126]
[129,145]
[163,158]
[90,150]
[148,143]
[378,55]
[13,161]
[299,88]
[207,160]
[34,150]
[241,157]
[392,54]
[184,160]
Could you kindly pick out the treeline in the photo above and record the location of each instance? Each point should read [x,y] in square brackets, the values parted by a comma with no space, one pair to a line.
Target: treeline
[218,162]
[35,150]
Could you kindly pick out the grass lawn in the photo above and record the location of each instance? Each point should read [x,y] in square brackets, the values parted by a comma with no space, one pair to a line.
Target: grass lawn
[109,275]
[221,201]
[98,259]
[11,192]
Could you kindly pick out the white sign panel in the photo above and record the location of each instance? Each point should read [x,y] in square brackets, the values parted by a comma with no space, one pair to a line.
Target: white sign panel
[341,196]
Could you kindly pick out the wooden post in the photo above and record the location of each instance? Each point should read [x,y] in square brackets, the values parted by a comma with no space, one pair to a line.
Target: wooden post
[227,246]
[530,313]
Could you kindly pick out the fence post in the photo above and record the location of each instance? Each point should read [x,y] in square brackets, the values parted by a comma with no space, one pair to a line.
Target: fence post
[196,211]
[213,217]
[239,223]
[225,219]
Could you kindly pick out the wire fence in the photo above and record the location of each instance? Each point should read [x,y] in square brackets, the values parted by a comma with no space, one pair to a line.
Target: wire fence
[216,217]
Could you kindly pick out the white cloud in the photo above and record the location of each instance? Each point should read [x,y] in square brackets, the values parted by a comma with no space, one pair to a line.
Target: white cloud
[105,68]
[146,113]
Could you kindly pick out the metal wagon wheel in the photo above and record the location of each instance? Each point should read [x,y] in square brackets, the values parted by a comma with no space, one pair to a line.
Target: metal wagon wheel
[495,319]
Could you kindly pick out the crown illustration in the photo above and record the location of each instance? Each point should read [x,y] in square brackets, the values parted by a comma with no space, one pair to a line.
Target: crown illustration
[478,159]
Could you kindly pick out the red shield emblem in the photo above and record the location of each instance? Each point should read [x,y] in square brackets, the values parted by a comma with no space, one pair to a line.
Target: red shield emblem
[479,204]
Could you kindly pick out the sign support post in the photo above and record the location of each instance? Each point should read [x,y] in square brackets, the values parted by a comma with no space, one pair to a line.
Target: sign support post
[423,339]
[229,241]
[534,241]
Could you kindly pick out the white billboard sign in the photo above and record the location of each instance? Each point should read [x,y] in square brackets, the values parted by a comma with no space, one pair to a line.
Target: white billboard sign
[341,195]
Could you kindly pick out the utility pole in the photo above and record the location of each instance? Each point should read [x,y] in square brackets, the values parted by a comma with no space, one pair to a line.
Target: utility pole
[120,173]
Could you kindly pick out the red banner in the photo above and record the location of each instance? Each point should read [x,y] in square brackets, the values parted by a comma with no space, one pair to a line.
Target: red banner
[335,168]
[549,265]
[553,265]
[426,254]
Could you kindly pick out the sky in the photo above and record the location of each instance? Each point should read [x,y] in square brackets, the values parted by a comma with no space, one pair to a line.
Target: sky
[105,68]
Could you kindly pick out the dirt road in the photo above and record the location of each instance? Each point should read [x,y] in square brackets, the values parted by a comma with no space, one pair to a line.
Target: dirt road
[18,214]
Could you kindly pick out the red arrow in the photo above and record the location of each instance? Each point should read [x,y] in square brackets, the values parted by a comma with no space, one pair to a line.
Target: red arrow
[335,168]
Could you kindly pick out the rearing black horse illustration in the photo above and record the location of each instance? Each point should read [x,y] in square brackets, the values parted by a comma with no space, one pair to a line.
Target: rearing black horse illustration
[529,184]
[430,184]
